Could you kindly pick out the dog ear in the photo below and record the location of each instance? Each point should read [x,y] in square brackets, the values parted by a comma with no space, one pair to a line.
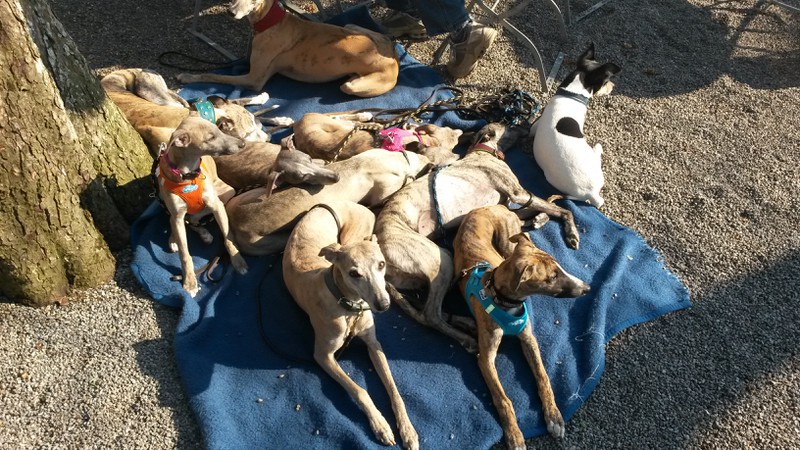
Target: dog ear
[414,146]
[272,181]
[587,55]
[520,237]
[520,277]
[225,124]
[216,100]
[331,252]
[610,69]
[180,138]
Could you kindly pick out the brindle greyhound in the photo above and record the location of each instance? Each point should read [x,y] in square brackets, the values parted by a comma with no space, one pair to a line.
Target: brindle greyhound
[334,269]
[188,185]
[495,278]
[262,222]
[413,216]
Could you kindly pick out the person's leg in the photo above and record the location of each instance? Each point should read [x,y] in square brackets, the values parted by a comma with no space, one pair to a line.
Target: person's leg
[440,16]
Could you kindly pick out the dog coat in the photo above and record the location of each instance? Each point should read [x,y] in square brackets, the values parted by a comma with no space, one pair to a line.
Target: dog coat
[511,325]
[190,191]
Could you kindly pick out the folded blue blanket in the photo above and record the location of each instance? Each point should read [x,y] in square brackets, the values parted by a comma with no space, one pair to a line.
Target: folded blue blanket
[244,349]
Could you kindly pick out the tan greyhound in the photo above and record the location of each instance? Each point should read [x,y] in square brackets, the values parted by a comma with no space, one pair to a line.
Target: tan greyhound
[413,216]
[155,111]
[262,222]
[188,185]
[495,278]
[310,52]
[334,269]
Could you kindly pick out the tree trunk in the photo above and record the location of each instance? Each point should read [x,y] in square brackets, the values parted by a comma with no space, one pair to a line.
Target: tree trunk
[73,173]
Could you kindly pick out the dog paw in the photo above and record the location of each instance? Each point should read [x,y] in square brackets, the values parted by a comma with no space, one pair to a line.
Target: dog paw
[185,78]
[259,99]
[470,345]
[239,263]
[409,438]
[382,430]
[364,116]
[205,235]
[281,121]
[190,285]
[515,440]
[573,242]
[555,425]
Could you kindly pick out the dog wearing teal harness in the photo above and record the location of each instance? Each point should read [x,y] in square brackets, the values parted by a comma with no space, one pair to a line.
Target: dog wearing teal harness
[500,268]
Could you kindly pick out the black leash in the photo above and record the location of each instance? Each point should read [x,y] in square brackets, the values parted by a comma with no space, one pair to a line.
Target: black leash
[209,64]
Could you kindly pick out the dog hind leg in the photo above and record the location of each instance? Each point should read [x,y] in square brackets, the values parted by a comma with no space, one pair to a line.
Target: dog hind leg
[370,85]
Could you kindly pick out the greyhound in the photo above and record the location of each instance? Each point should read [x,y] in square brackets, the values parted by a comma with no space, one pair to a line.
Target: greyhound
[271,165]
[340,136]
[155,111]
[261,222]
[495,278]
[188,184]
[412,216]
[310,52]
[334,269]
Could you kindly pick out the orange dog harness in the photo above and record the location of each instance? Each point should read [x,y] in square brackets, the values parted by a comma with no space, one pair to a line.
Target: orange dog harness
[190,191]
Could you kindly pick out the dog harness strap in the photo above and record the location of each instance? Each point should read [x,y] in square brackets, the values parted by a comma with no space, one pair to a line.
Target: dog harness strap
[275,14]
[582,99]
[190,191]
[481,147]
[393,138]
[206,110]
[511,325]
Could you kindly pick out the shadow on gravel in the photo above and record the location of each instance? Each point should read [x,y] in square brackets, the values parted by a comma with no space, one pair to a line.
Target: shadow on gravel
[673,47]
[682,376]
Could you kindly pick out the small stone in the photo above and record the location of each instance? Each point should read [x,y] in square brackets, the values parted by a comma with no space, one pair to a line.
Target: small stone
[283,375]
[259,400]
[297,407]
[452,436]
[316,432]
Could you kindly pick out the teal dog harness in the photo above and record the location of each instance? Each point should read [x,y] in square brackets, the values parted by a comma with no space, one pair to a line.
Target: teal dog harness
[511,325]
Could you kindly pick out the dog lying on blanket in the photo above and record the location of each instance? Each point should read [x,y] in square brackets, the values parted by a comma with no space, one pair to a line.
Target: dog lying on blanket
[310,52]
[188,185]
[261,223]
[262,164]
[495,278]
[331,137]
[559,146]
[334,269]
[155,111]
[412,217]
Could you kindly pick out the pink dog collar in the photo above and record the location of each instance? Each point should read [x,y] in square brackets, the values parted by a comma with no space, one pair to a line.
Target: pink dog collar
[393,138]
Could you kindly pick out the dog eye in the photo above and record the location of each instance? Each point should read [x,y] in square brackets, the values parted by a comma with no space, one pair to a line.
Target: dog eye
[381,265]
[354,273]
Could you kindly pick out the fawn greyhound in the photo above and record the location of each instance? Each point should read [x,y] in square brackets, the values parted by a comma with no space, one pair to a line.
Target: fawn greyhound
[495,277]
[311,52]
[334,269]
[188,184]
[439,201]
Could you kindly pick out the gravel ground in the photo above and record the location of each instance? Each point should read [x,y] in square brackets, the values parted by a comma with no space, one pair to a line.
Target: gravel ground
[701,147]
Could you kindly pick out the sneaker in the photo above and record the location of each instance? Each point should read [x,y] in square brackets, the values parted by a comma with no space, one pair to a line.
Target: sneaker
[398,24]
[467,47]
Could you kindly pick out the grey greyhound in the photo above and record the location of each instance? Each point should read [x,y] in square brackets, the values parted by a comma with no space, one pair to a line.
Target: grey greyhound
[262,222]
[411,217]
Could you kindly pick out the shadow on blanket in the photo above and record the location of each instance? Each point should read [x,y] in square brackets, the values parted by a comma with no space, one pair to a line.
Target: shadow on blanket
[244,349]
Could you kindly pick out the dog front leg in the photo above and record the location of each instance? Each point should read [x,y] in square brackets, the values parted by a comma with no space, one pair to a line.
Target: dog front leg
[377,422]
[408,435]
[536,205]
[489,338]
[237,260]
[552,416]
[179,238]
[253,81]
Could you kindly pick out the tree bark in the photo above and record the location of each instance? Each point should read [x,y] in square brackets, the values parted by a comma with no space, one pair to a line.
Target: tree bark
[73,173]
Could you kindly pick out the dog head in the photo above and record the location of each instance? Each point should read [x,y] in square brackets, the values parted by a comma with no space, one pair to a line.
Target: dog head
[498,135]
[530,270]
[591,77]
[235,120]
[200,137]
[243,8]
[360,271]
[440,143]
[295,167]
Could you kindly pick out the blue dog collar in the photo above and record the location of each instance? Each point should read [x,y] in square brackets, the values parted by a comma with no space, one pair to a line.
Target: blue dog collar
[206,110]
[511,325]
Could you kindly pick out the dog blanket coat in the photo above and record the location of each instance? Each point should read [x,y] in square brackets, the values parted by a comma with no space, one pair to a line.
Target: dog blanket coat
[244,348]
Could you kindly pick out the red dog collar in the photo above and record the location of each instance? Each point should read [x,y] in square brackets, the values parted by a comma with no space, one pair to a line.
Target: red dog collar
[275,14]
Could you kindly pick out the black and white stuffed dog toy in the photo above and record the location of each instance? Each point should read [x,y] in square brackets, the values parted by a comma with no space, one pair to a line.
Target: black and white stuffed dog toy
[559,146]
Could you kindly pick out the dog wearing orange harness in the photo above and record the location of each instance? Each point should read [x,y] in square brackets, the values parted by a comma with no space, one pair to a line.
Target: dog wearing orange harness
[189,187]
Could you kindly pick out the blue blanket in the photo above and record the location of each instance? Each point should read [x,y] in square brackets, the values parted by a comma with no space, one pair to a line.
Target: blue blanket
[244,349]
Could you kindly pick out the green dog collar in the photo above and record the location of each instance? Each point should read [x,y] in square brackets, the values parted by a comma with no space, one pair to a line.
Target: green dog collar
[206,110]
